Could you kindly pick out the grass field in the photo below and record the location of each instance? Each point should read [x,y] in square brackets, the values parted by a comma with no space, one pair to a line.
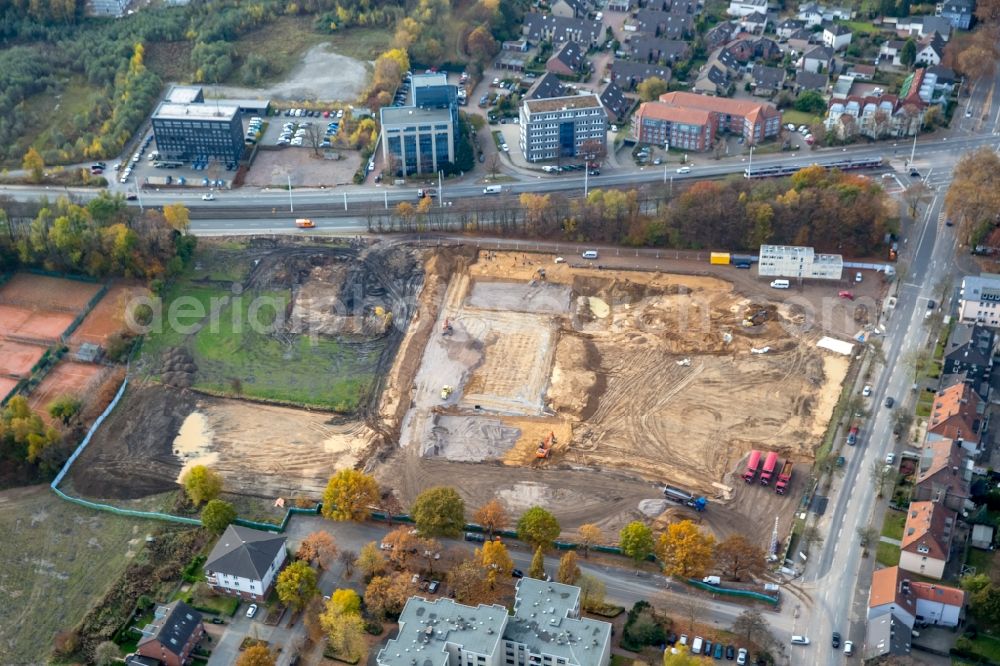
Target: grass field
[56,560]
[893,525]
[269,365]
[987,647]
[981,559]
[887,554]
[798,118]
[283,42]
[860,27]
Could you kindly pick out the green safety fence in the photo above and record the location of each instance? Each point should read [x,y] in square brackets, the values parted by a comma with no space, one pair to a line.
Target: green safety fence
[746,594]
[83,313]
[59,274]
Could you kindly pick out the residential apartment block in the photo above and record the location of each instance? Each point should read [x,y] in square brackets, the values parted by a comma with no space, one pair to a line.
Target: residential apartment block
[958,12]
[562,127]
[421,138]
[792,261]
[754,120]
[544,630]
[662,125]
[980,300]
[943,474]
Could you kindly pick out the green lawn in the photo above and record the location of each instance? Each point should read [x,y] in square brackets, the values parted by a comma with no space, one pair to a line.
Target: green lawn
[988,647]
[799,118]
[981,559]
[893,525]
[886,554]
[860,27]
[183,307]
[56,559]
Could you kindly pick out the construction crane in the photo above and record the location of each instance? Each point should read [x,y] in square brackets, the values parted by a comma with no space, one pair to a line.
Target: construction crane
[545,447]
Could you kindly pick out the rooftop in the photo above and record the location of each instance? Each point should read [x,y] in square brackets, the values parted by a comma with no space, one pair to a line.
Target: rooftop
[425,627]
[928,530]
[172,626]
[673,114]
[543,621]
[955,413]
[407,115]
[210,111]
[571,103]
[244,552]
[733,107]
[184,94]
[892,585]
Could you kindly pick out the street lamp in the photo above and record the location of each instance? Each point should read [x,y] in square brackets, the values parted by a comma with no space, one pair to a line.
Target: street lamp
[291,204]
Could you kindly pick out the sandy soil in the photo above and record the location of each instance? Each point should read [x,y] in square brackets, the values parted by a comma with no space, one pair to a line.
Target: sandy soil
[17,359]
[274,168]
[322,75]
[108,316]
[46,292]
[6,386]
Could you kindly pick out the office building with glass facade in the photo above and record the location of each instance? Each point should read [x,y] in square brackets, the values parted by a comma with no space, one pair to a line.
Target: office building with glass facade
[562,127]
[193,131]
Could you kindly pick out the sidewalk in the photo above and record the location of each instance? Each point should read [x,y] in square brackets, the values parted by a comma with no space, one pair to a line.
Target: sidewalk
[890,540]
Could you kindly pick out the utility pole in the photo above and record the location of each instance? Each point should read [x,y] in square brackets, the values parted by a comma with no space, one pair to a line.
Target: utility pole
[345,200]
[138,196]
[586,181]
[440,190]
[291,204]
[913,150]
[750,165]
[385,194]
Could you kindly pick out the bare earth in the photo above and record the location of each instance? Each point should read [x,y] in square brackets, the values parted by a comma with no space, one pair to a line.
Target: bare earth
[644,378]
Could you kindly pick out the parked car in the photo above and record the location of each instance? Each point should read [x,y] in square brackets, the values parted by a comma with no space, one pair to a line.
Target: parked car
[867,390]
[889,459]
[252,610]
[472,536]
[435,584]
[218,620]
[836,639]
[848,648]
[889,402]
[852,436]
[741,658]
[730,652]
[800,640]
[718,651]
[208,197]
[516,573]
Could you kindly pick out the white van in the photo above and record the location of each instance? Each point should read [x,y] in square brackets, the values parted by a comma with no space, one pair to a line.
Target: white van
[696,645]
[779,284]
[590,254]
[492,189]
[712,580]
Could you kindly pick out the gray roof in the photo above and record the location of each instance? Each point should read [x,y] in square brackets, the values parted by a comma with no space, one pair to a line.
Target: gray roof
[886,635]
[407,115]
[768,77]
[172,626]
[970,343]
[547,85]
[196,111]
[563,29]
[425,627]
[820,53]
[662,24]
[244,552]
[985,286]
[543,621]
[810,80]
[937,24]
[645,47]
[943,74]
[629,74]
[571,55]
[614,100]
[836,29]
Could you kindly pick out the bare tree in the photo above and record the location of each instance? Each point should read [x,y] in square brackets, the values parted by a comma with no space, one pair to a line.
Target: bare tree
[689,609]
[315,136]
[348,558]
[811,535]
[867,535]
[916,194]
[881,474]
[494,165]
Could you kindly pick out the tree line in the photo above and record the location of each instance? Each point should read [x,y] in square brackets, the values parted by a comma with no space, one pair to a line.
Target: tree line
[829,210]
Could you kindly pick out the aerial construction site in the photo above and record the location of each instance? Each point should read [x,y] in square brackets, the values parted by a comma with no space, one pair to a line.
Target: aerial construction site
[518,376]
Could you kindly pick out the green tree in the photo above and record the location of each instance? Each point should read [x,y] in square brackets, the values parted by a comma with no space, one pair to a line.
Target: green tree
[370,560]
[651,89]
[439,512]
[34,165]
[297,584]
[201,484]
[537,568]
[681,657]
[810,101]
[217,515]
[984,598]
[908,54]
[64,407]
[538,527]
[349,495]
[569,571]
[107,653]
[636,541]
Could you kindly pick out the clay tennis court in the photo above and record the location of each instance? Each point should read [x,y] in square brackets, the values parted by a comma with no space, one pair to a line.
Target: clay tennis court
[108,316]
[17,359]
[33,324]
[41,291]
[6,385]
[67,378]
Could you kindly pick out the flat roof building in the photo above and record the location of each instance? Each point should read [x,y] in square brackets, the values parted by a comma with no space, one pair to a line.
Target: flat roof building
[191,131]
[980,300]
[562,127]
[422,137]
[544,629]
[791,261]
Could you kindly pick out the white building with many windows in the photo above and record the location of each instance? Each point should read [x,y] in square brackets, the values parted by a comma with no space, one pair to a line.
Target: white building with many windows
[562,127]
[980,300]
[545,630]
[245,562]
[792,261]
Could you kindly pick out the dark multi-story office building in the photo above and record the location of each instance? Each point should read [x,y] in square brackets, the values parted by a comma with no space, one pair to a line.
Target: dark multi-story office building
[198,131]
[421,138]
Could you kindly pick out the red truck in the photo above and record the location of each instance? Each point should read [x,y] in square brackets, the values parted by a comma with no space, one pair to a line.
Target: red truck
[784,477]
[752,464]
[769,464]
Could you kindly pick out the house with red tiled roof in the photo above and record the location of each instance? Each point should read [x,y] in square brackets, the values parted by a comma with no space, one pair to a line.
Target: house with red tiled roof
[927,538]
[680,127]
[957,413]
[893,593]
[943,474]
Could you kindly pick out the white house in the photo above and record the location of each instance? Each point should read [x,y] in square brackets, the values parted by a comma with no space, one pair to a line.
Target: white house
[245,562]
[979,302]
[893,593]
[930,51]
[796,261]
[813,13]
[817,60]
[746,7]
[836,36]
